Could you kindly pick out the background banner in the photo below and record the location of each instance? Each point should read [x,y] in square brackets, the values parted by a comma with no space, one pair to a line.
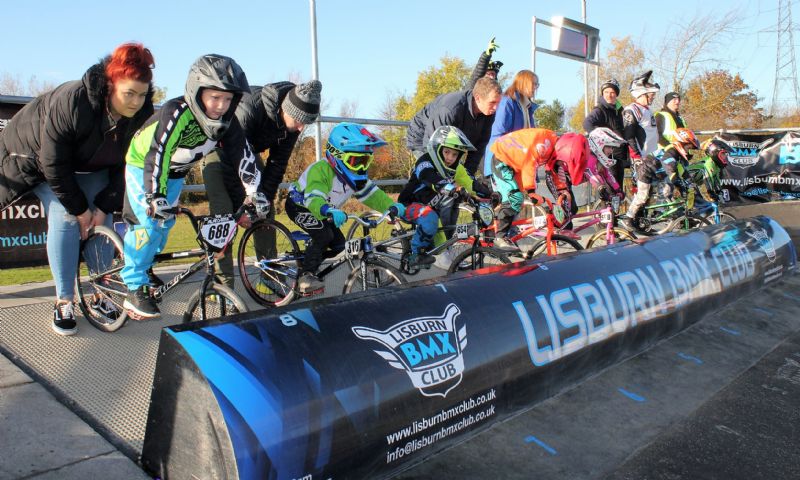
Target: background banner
[368,385]
[763,168]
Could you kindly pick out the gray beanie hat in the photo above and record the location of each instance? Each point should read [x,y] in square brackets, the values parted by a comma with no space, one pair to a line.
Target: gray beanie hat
[302,102]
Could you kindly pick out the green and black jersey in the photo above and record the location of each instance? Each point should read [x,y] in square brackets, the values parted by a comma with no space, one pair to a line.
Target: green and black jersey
[171,141]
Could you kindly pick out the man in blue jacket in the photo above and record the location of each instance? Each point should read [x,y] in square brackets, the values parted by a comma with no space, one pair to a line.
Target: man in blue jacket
[471,111]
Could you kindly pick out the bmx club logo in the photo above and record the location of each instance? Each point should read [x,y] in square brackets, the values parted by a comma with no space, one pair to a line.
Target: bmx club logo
[745,154]
[429,349]
[762,237]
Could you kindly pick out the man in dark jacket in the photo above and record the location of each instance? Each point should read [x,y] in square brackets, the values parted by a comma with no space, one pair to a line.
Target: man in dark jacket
[471,111]
[272,117]
[608,113]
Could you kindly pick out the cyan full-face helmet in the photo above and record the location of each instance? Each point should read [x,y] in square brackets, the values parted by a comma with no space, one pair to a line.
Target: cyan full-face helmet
[350,151]
[219,73]
[450,137]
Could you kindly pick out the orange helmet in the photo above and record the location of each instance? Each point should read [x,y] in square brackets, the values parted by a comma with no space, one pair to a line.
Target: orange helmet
[684,139]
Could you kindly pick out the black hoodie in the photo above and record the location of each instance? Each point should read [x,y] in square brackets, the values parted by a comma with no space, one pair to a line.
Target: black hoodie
[59,134]
[259,115]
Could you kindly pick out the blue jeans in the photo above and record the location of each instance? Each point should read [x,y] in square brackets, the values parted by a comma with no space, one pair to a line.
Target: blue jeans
[143,241]
[63,231]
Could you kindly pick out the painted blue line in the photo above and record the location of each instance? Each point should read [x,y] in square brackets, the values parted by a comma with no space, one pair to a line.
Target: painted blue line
[444,289]
[631,395]
[789,296]
[730,330]
[762,310]
[690,358]
[546,447]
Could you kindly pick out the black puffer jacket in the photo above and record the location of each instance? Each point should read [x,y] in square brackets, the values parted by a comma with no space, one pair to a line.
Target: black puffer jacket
[60,133]
[259,114]
[453,109]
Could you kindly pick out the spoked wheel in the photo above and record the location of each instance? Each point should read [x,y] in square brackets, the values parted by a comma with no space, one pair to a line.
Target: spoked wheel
[391,252]
[479,258]
[723,218]
[379,274]
[599,238]
[100,288]
[687,222]
[562,244]
[268,263]
[220,301]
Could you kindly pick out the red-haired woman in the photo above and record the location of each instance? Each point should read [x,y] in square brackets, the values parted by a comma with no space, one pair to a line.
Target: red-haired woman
[68,147]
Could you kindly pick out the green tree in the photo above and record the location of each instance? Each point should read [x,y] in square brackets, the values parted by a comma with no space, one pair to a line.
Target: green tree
[718,99]
[550,116]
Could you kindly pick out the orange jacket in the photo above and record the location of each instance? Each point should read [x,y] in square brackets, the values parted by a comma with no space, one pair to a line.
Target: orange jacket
[523,151]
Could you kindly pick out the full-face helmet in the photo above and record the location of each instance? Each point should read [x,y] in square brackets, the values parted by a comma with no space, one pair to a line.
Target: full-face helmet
[217,72]
[350,151]
[450,137]
[602,137]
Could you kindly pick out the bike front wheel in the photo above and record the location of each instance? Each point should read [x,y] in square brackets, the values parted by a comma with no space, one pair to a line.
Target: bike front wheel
[100,288]
[220,301]
[562,244]
[599,238]
[687,222]
[479,257]
[378,274]
[268,263]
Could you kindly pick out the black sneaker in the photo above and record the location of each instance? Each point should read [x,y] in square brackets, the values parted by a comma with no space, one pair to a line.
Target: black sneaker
[309,283]
[64,319]
[626,222]
[102,306]
[420,260]
[153,279]
[141,303]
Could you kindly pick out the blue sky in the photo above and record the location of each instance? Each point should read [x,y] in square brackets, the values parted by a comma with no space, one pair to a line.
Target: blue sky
[368,49]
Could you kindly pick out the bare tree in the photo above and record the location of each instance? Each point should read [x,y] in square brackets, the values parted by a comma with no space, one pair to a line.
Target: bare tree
[687,51]
[12,85]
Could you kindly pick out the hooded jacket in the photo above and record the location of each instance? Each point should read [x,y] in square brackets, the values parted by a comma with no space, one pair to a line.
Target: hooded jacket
[59,134]
[259,115]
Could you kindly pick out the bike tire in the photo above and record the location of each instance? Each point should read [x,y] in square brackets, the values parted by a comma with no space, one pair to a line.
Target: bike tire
[102,252]
[215,307]
[564,244]
[273,286]
[380,274]
[392,253]
[478,258]
[599,238]
[687,222]
[723,218]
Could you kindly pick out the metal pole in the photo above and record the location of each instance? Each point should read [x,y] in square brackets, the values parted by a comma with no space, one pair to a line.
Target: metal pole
[585,68]
[533,44]
[312,4]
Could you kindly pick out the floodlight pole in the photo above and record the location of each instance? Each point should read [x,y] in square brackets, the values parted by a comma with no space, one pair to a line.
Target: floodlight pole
[312,4]
[585,67]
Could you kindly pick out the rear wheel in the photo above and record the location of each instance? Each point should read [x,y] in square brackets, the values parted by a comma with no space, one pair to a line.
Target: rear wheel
[220,301]
[269,271]
[479,258]
[561,243]
[378,274]
[599,238]
[100,288]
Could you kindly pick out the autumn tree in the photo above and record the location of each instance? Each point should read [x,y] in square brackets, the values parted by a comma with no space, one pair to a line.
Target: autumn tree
[717,99]
[623,61]
[550,116]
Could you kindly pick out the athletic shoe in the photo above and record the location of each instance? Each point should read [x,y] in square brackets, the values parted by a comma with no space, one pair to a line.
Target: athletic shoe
[103,307]
[309,283]
[420,260]
[505,243]
[64,319]
[627,222]
[141,303]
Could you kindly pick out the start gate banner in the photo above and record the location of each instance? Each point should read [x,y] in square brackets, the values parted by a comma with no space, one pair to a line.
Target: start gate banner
[763,168]
[368,385]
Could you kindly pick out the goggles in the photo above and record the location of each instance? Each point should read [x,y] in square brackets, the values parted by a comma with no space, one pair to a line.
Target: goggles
[357,161]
